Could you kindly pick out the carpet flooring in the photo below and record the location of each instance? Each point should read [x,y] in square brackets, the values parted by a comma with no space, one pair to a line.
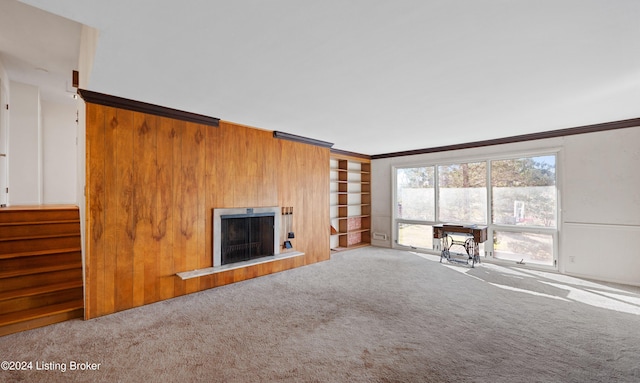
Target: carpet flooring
[367,315]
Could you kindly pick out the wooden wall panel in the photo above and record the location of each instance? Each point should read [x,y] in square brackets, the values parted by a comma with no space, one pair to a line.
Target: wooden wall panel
[211,148]
[152,184]
[302,165]
[145,245]
[246,165]
[123,209]
[192,197]
[95,210]
[107,302]
[165,140]
[179,239]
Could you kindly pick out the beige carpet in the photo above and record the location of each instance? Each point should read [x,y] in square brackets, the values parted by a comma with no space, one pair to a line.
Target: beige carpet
[368,315]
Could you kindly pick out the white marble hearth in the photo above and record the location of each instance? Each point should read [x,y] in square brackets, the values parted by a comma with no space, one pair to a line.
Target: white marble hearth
[218,267]
[238,265]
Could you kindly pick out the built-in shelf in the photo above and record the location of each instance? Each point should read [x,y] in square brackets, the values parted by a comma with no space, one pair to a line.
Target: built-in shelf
[355,216]
[238,265]
[350,247]
[350,203]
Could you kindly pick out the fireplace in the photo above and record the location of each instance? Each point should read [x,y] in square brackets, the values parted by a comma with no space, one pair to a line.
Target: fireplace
[245,234]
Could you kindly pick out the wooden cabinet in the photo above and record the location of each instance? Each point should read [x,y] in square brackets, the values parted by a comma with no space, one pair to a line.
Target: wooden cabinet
[350,203]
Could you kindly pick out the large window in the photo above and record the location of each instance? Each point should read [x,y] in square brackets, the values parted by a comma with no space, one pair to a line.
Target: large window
[521,212]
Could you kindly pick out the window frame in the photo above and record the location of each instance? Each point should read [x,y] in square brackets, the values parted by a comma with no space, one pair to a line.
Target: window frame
[491,227]
[437,186]
[397,220]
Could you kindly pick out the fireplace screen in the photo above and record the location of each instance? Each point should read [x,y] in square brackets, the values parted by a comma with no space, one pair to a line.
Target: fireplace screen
[245,237]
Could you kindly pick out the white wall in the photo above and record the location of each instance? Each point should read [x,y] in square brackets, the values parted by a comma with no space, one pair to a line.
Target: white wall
[59,130]
[24,152]
[599,197]
[42,151]
[601,206]
[4,126]
[88,45]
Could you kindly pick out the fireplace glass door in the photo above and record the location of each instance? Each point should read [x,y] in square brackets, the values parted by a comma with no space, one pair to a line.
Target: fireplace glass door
[246,237]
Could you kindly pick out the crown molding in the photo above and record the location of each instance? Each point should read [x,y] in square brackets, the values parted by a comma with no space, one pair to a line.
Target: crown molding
[630,123]
[143,107]
[339,152]
[301,139]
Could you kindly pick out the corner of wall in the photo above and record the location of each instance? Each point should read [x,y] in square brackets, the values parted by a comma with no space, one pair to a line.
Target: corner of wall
[88,46]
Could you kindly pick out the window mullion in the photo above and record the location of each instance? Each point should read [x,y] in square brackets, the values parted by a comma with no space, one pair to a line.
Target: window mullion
[436,190]
[488,246]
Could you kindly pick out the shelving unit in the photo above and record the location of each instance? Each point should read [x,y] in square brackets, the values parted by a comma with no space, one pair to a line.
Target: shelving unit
[350,203]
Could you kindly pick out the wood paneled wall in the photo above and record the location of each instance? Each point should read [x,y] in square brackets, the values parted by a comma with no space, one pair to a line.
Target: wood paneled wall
[152,183]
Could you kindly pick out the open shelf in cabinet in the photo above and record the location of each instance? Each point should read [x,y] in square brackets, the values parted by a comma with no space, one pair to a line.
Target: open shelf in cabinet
[350,203]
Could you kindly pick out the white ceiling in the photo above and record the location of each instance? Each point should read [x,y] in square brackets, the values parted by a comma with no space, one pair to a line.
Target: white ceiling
[40,49]
[371,76]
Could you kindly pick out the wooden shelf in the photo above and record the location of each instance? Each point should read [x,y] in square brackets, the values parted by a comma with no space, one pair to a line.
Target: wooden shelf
[361,244]
[351,171]
[353,216]
[351,199]
[352,231]
[351,247]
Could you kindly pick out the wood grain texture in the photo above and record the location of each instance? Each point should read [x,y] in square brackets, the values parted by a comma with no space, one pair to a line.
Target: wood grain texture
[165,209]
[145,245]
[123,210]
[152,185]
[40,267]
[107,303]
[94,283]
[302,165]
[192,161]
[179,240]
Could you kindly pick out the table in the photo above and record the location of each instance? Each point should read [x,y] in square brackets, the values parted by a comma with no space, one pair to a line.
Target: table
[474,235]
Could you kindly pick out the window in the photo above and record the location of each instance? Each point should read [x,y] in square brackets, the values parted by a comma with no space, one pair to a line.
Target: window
[523,246]
[415,235]
[524,191]
[521,212]
[524,209]
[415,198]
[415,206]
[463,193]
